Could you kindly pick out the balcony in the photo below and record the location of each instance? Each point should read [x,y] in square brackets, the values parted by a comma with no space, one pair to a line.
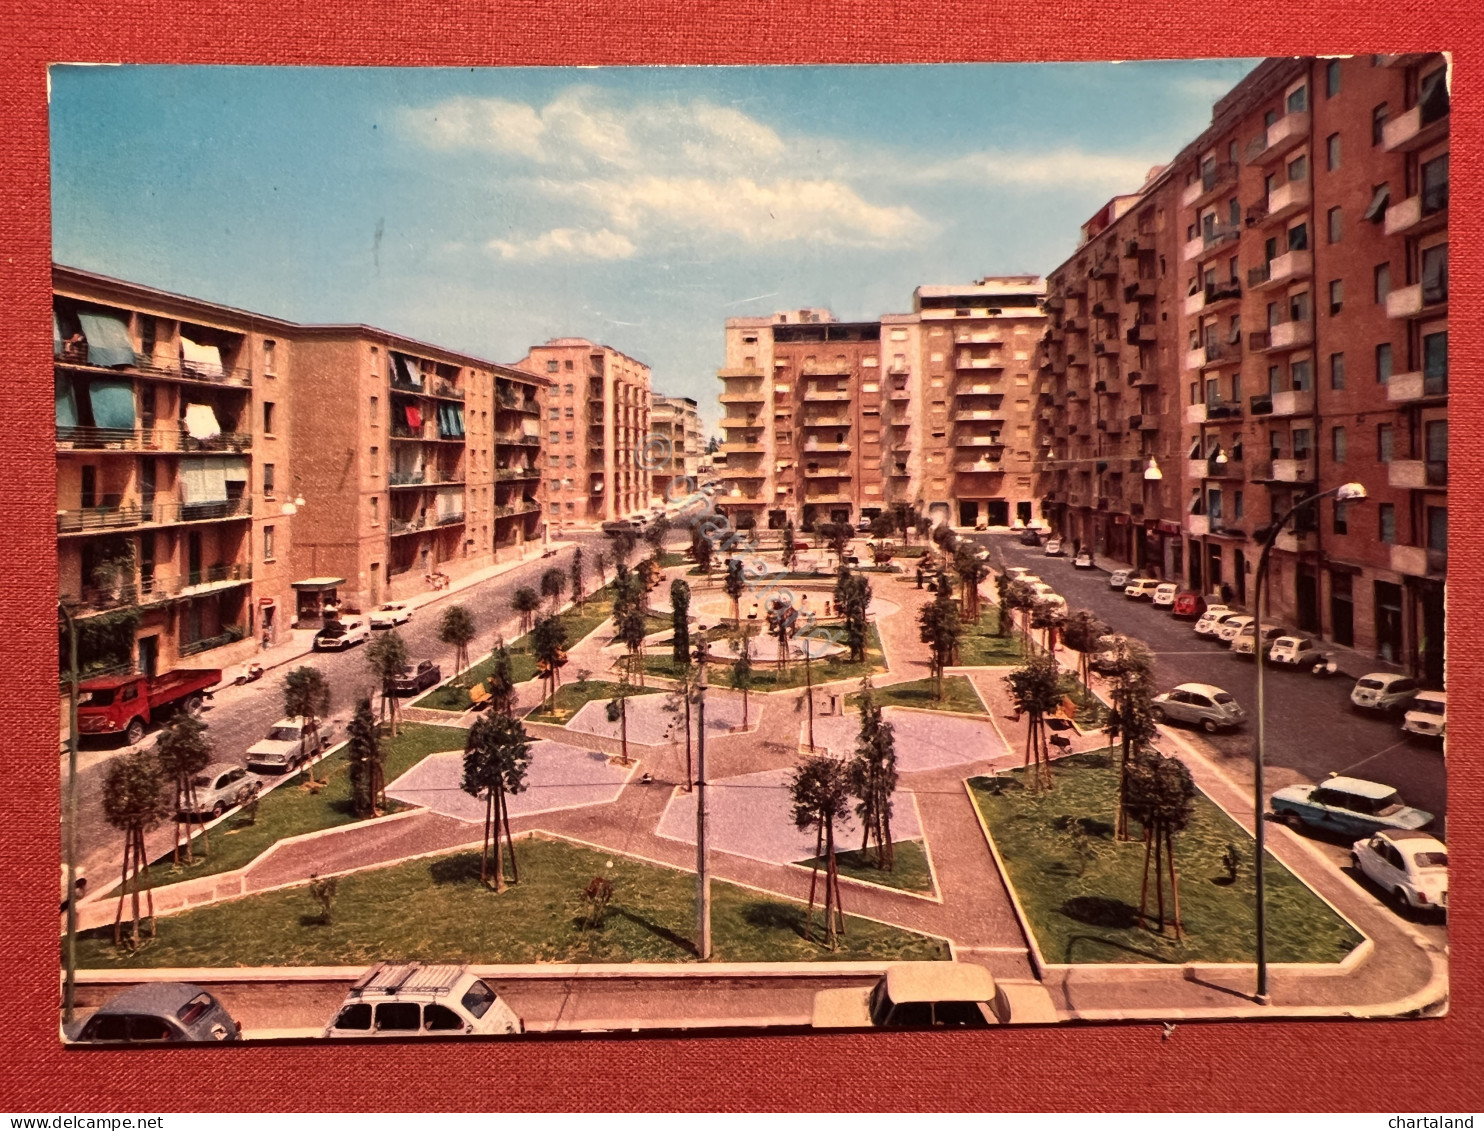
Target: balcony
[967,415]
[899,393]
[817,446]
[1418,299]
[739,422]
[979,389]
[1419,127]
[965,361]
[1290,402]
[1416,474]
[1294,541]
[840,472]
[827,422]
[450,518]
[147,365]
[508,473]
[510,510]
[1284,135]
[1292,470]
[813,394]
[1289,267]
[1282,336]
[1140,290]
[745,473]
[1208,243]
[978,442]
[740,371]
[979,467]
[160,512]
[1286,200]
[743,396]
[746,447]
[1404,387]
[119,439]
[1420,214]
[1211,183]
[1197,524]
[1419,561]
[512,439]
[505,402]
[405,478]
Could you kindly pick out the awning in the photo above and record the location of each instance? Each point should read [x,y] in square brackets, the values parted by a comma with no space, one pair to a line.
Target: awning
[450,421]
[1376,212]
[113,404]
[108,338]
[201,422]
[203,480]
[414,418]
[317,584]
[66,403]
[202,358]
[235,468]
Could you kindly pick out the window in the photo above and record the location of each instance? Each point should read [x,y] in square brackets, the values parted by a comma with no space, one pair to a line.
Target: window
[270,364]
[1300,443]
[438,1018]
[569,437]
[1337,444]
[1378,123]
[268,470]
[1385,442]
[551,366]
[571,461]
[1298,100]
[1383,363]
[554,412]
[1213,504]
[268,417]
[1331,78]
[1332,152]
[1337,371]
[567,365]
[568,391]
[1382,275]
[567,413]
[1435,362]
[1236,505]
[375,412]
[1298,237]
[1437,529]
[1298,307]
[1336,296]
[1298,168]
[555,437]
[1342,525]
[1435,441]
[1386,523]
[1435,274]
[267,543]
[1302,375]
[554,460]
[375,509]
[398,1016]
[1435,185]
[1336,224]
[1275,380]
[375,461]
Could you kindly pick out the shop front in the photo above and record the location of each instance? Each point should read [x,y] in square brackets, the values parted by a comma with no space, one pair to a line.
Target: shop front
[317,599]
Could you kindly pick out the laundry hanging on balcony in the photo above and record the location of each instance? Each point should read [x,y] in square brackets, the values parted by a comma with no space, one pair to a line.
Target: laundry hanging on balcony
[234,469]
[203,480]
[113,404]
[201,422]
[449,505]
[203,359]
[414,418]
[66,404]
[405,371]
[108,338]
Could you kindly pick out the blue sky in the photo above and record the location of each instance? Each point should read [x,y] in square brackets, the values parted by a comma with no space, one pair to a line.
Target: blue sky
[489,209]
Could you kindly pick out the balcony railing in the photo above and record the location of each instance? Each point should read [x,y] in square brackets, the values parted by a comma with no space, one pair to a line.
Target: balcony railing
[405,478]
[450,518]
[505,473]
[83,520]
[1283,135]
[154,366]
[1416,386]
[517,439]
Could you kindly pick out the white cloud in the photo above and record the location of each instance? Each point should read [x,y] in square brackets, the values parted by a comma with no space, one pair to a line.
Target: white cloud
[565,243]
[1041,168]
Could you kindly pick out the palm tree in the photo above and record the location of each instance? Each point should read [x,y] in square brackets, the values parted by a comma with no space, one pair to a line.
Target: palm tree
[1161,797]
[306,694]
[873,777]
[1035,688]
[820,794]
[553,585]
[386,656]
[680,622]
[735,585]
[578,578]
[135,801]
[526,602]
[367,762]
[456,629]
[497,754]
[183,751]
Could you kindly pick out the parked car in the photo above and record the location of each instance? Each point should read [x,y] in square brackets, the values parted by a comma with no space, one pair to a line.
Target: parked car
[391,614]
[1213,618]
[286,748]
[1351,806]
[414,1000]
[1140,588]
[618,526]
[1411,867]
[157,1013]
[1383,691]
[1245,641]
[1427,717]
[1021,573]
[221,786]
[1120,578]
[338,635]
[1200,704]
[417,678]
[1231,626]
[1053,548]
[933,995]
[1164,595]
[1189,605]
[79,889]
[1298,652]
[1083,560]
[1029,537]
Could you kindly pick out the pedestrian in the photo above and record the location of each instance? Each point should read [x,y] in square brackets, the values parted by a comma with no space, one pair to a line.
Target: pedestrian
[1226,593]
[919,577]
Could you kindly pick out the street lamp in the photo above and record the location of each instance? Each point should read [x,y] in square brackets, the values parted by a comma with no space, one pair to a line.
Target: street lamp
[1152,471]
[69,994]
[1344,493]
[703,876]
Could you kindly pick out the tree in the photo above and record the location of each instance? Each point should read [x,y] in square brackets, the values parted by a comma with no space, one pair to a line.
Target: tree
[838,534]
[971,570]
[783,618]
[306,694]
[1021,598]
[456,629]
[578,578]
[549,643]
[621,545]
[852,600]
[135,801]
[618,712]
[501,681]
[655,534]
[497,755]
[940,628]
[820,794]
[742,669]
[628,620]
[790,546]
[553,585]
[735,585]
[1048,618]
[882,525]
[1133,719]
[1083,633]
[600,563]
[183,751]
[702,549]
[1161,797]
[526,602]
[367,762]
[873,777]
[386,656]
[903,519]
[680,622]
[1035,689]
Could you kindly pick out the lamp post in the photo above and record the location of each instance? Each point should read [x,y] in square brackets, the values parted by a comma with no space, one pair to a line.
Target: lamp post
[1346,492]
[70,990]
[703,875]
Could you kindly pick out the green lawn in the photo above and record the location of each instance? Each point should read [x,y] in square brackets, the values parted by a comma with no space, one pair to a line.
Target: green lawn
[1083,906]
[436,910]
[909,871]
[765,674]
[983,646]
[959,696]
[291,809]
[570,698]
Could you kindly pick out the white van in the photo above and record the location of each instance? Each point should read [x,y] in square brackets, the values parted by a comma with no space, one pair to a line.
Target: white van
[414,1000]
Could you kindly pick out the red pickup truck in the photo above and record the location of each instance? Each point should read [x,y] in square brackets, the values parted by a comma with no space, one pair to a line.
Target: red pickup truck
[126,704]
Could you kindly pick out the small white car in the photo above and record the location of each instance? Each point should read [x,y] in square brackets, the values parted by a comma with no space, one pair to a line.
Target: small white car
[1232,626]
[414,1000]
[1083,560]
[1140,588]
[221,786]
[1164,595]
[1410,867]
[285,747]
[1200,704]
[341,634]
[1427,717]
[933,995]
[1211,620]
[1245,642]
[391,614]
[1053,548]
[1294,652]
[1383,691]
[1120,578]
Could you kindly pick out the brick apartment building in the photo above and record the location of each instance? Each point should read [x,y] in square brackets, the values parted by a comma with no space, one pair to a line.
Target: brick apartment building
[676,456]
[597,424]
[1306,236]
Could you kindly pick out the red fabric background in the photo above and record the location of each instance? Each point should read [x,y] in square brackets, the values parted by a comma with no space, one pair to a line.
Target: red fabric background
[1262,1066]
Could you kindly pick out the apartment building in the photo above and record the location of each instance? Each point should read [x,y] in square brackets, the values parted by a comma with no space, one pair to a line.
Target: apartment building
[802,408]
[597,426]
[1310,257]
[675,455]
[1110,452]
[976,405]
[175,466]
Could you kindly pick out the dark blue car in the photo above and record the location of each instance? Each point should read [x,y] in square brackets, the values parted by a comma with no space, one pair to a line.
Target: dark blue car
[158,1013]
[1349,806]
